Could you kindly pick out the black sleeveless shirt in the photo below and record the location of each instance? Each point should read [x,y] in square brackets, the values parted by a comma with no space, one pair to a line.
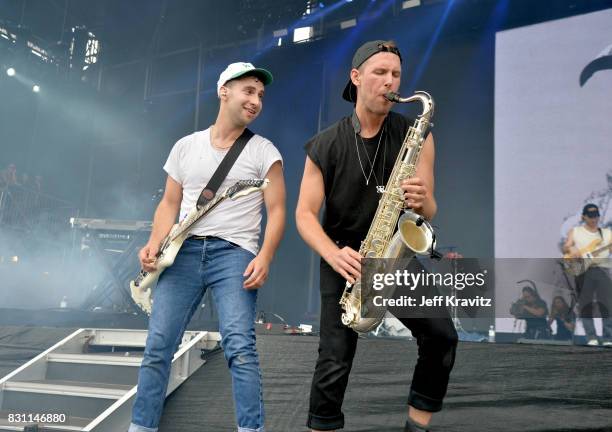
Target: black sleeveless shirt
[350,204]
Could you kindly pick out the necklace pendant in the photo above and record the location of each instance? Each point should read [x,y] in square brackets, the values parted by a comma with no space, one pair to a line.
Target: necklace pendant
[380,189]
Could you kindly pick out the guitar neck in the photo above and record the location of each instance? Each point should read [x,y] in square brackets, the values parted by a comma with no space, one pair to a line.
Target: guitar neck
[601,249]
[195,215]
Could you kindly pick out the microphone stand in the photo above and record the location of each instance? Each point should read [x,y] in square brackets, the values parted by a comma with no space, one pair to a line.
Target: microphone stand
[454,308]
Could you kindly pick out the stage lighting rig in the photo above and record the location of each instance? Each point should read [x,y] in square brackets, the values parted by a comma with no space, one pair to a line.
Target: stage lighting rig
[84,49]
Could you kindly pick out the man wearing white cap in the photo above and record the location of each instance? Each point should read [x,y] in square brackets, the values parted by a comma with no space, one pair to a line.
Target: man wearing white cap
[222,253]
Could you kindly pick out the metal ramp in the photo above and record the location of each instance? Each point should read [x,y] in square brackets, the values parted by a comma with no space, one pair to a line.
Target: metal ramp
[88,380]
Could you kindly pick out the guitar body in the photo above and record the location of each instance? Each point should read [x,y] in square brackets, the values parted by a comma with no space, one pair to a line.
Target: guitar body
[142,287]
[577,266]
[588,249]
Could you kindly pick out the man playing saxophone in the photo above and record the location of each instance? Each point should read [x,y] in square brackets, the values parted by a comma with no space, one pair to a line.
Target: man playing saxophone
[347,167]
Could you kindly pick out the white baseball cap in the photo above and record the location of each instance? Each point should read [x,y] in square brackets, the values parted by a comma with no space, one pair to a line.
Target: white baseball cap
[236,70]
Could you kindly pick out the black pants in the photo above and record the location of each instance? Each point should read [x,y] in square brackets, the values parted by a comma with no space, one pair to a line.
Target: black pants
[595,282]
[436,338]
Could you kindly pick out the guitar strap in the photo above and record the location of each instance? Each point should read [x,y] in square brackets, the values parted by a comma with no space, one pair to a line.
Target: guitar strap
[210,190]
[603,240]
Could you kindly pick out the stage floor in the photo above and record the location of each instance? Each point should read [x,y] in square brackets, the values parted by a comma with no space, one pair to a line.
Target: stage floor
[494,387]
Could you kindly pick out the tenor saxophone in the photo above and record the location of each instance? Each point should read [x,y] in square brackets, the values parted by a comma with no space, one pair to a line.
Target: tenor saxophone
[414,234]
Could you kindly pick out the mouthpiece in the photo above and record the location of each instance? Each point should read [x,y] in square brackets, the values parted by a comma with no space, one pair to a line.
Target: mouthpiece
[393,97]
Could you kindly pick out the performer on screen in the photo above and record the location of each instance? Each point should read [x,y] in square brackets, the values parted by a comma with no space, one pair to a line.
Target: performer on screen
[594,285]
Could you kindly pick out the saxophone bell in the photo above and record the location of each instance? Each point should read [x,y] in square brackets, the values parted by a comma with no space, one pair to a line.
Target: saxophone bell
[416,233]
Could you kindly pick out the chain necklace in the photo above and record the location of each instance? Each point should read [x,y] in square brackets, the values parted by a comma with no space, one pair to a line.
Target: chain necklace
[216,147]
[372,162]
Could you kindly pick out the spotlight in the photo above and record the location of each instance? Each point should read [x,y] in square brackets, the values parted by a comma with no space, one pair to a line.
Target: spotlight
[302,34]
[410,4]
[10,71]
[348,24]
[15,259]
[35,88]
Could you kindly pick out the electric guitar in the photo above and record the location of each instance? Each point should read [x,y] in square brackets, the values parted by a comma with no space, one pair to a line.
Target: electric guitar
[142,287]
[577,266]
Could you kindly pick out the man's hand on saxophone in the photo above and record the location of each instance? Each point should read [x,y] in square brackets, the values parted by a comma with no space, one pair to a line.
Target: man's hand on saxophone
[346,262]
[415,192]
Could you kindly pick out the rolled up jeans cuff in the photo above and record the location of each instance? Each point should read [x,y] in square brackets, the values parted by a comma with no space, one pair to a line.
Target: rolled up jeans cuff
[242,429]
[325,423]
[424,403]
[138,428]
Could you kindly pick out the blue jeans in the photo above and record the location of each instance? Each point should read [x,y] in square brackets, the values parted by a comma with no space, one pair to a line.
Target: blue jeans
[200,265]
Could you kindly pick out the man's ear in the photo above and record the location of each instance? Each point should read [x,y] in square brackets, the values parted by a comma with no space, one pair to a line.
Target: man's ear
[355,76]
[223,92]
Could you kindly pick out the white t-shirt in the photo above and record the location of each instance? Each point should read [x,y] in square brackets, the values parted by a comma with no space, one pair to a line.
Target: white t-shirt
[192,162]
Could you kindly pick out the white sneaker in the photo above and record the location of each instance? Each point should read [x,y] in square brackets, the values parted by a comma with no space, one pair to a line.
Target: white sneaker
[607,344]
[593,342]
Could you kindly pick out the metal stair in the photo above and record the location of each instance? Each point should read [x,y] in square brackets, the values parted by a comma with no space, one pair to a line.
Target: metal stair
[89,379]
